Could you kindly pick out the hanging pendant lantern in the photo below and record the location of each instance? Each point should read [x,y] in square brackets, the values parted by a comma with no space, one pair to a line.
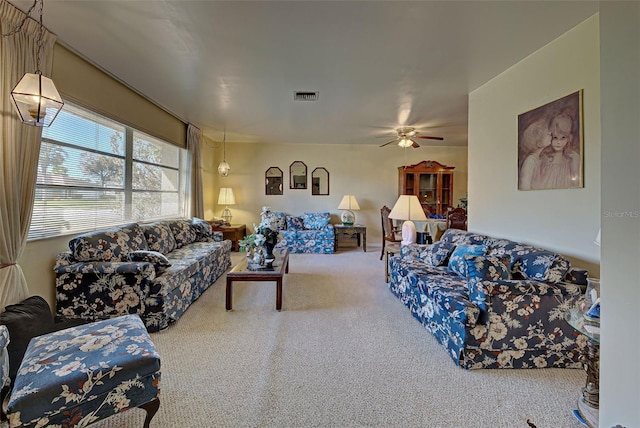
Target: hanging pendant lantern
[224,168]
[35,97]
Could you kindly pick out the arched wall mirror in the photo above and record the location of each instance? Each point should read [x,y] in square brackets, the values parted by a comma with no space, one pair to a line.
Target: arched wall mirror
[298,175]
[320,181]
[273,179]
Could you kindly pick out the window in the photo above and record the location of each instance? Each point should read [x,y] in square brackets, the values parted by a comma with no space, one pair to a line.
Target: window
[94,172]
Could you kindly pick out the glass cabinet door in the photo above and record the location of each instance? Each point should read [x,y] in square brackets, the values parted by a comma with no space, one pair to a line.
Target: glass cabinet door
[428,192]
[446,192]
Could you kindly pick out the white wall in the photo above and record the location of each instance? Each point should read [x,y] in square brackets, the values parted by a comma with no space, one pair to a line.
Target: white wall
[566,221]
[620,345]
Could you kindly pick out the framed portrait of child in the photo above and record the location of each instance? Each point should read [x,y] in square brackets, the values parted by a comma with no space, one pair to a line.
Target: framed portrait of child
[550,145]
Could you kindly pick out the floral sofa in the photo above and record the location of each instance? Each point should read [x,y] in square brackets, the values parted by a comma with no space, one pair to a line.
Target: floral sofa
[492,303]
[309,233]
[154,270]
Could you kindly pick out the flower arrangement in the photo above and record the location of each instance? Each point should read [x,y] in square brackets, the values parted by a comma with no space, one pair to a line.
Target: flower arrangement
[266,233]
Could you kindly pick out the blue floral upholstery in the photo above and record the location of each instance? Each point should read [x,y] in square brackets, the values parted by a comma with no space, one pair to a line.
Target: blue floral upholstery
[108,245]
[489,319]
[310,233]
[294,223]
[158,292]
[79,375]
[4,356]
[457,262]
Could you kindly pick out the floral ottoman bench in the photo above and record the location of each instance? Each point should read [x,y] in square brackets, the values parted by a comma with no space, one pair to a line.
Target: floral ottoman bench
[80,375]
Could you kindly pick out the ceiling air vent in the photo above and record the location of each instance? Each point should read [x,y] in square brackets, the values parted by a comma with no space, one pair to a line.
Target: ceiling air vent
[305,96]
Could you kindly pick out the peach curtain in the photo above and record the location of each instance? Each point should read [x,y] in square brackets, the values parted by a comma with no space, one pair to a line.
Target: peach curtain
[19,148]
[194,186]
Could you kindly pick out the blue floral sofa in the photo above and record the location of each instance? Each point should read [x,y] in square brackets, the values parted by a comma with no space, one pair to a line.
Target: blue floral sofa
[309,233]
[154,270]
[492,303]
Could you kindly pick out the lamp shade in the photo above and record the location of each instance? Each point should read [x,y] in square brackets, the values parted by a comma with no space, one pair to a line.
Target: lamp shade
[408,207]
[597,240]
[226,196]
[349,202]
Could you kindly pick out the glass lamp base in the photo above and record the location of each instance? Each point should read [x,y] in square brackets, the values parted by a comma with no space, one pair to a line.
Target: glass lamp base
[348,218]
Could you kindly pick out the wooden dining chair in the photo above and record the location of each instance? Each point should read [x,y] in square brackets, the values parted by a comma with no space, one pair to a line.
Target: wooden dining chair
[390,241]
[457,218]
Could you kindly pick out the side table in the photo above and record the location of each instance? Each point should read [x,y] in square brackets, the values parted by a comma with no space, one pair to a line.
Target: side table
[356,229]
[589,402]
[234,232]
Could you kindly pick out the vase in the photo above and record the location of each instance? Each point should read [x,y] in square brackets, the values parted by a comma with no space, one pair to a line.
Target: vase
[268,253]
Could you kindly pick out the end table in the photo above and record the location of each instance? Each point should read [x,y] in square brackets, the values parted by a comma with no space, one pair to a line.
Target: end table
[354,229]
[589,402]
[234,232]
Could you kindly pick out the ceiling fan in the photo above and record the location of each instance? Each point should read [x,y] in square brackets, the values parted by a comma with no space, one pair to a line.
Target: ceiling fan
[406,137]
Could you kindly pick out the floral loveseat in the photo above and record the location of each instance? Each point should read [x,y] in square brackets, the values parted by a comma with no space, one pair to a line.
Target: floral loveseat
[309,233]
[154,270]
[492,303]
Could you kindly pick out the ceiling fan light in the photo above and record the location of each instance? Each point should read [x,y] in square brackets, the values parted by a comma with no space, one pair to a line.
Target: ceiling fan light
[405,142]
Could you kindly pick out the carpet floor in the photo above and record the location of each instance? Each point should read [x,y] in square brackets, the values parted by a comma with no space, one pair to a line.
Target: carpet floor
[344,352]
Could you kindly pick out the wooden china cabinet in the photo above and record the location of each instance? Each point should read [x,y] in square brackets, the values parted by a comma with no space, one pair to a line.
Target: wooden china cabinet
[431,182]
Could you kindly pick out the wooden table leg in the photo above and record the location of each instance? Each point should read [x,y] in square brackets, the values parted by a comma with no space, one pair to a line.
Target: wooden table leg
[229,290]
[279,294]
[364,241]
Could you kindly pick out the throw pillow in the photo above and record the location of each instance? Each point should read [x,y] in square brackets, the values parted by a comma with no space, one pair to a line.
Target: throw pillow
[183,232]
[558,270]
[437,254]
[159,237]
[295,223]
[488,267]
[159,260]
[204,231]
[457,262]
[30,318]
[316,221]
[536,264]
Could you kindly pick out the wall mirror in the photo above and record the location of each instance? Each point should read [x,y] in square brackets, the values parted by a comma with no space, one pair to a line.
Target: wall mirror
[320,181]
[273,179]
[298,175]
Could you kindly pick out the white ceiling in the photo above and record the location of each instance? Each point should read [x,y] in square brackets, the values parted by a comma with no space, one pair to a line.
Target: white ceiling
[377,65]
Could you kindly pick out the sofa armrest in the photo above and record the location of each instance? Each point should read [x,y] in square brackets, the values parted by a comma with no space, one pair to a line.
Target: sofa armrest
[65,259]
[97,290]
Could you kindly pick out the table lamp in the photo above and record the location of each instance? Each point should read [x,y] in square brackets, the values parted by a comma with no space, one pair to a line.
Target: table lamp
[226,198]
[348,203]
[408,208]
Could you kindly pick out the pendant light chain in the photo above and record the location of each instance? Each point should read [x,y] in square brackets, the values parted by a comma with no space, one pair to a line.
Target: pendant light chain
[26,16]
[39,41]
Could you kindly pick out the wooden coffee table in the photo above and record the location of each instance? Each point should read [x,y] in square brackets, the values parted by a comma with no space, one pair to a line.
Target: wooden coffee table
[241,272]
